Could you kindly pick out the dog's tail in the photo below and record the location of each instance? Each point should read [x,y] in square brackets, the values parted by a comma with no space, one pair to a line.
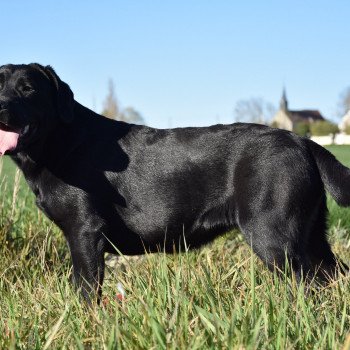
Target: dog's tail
[335,176]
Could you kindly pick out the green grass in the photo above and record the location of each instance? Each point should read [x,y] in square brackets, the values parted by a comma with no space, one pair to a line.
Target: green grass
[341,152]
[218,297]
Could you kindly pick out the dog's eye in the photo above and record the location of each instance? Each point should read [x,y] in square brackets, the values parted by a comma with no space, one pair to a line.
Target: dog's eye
[26,88]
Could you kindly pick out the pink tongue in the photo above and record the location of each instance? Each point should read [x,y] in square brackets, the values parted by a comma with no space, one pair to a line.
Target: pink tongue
[8,141]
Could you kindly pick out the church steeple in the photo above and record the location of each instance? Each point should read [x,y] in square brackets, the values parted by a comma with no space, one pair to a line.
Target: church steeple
[284,102]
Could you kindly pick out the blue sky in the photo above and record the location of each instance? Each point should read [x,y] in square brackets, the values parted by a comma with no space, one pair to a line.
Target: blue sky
[183,63]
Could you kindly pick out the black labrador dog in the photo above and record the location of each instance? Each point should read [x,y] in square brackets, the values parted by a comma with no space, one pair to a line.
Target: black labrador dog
[109,184]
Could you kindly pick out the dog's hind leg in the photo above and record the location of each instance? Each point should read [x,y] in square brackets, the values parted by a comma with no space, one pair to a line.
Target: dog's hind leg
[324,263]
[277,241]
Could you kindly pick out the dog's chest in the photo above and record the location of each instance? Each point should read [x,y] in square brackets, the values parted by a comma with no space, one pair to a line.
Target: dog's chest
[43,203]
[48,201]
[48,192]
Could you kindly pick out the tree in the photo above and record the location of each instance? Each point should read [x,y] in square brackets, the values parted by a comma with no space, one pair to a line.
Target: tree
[130,115]
[323,128]
[254,110]
[301,128]
[347,130]
[110,106]
[112,110]
[344,102]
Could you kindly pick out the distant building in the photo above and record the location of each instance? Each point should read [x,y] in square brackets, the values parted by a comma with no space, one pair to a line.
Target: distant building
[345,122]
[287,119]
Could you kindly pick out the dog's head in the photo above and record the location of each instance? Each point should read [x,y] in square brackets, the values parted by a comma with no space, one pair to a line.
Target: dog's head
[33,99]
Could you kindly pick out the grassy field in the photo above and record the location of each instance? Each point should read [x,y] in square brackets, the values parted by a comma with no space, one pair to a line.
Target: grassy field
[218,297]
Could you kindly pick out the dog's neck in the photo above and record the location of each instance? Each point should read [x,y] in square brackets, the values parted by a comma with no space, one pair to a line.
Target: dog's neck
[66,141]
[50,153]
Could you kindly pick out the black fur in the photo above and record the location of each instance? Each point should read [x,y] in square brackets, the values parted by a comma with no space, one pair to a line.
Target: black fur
[108,183]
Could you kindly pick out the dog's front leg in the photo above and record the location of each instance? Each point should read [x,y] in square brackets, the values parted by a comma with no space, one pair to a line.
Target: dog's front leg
[87,251]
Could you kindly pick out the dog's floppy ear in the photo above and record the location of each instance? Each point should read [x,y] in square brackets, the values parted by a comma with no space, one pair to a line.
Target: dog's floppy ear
[65,97]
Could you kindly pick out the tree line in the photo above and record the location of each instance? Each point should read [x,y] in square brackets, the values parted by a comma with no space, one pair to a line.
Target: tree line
[252,110]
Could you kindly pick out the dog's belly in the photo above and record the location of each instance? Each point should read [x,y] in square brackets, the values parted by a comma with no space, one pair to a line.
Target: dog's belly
[130,243]
[159,230]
